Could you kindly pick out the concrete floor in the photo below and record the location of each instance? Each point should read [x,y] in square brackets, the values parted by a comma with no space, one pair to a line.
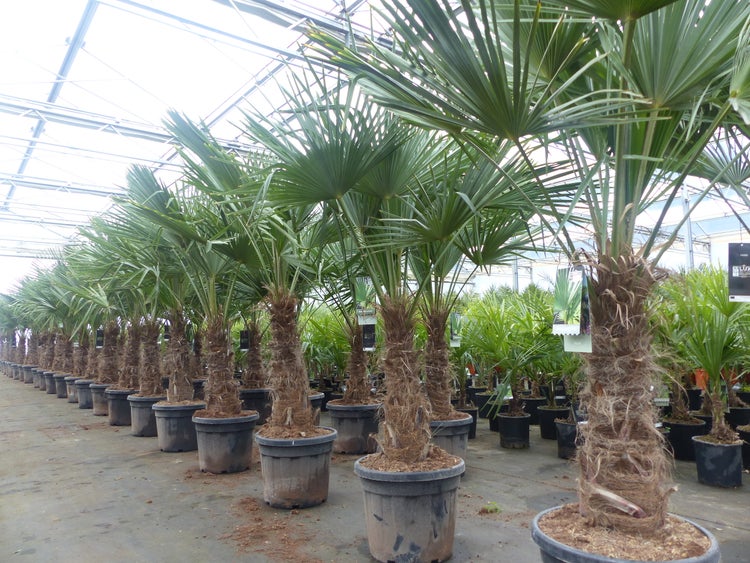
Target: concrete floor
[73,488]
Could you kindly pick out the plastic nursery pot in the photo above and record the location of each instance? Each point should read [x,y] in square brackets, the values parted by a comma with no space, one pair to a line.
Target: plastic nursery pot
[567,434]
[118,408]
[547,416]
[552,551]
[295,470]
[61,389]
[452,435]
[142,416]
[718,465]
[514,431]
[474,413]
[745,437]
[101,406]
[28,375]
[410,516]
[316,402]
[42,379]
[174,426]
[258,400]
[49,378]
[531,404]
[83,390]
[225,445]
[680,438]
[70,385]
[355,426]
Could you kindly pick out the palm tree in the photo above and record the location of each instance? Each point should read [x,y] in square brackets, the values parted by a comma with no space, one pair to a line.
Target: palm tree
[272,254]
[193,224]
[632,93]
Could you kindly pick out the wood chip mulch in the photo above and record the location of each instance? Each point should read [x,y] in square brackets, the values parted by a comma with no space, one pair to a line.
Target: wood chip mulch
[677,540]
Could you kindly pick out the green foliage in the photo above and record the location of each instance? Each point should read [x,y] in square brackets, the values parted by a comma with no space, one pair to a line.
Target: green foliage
[695,318]
[325,343]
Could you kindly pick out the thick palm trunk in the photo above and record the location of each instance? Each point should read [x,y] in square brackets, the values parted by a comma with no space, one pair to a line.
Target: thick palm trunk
[149,360]
[291,387]
[357,383]
[178,361]
[222,391]
[48,350]
[128,376]
[108,354]
[81,356]
[624,466]
[405,429]
[254,376]
[32,358]
[437,367]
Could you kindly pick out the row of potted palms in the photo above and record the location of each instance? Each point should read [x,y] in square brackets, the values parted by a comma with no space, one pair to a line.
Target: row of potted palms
[527,115]
[638,96]
[344,191]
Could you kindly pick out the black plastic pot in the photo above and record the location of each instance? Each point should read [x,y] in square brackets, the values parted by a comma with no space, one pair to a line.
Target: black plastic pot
[452,435]
[471,393]
[83,390]
[142,416]
[28,374]
[745,437]
[356,427]
[514,431]
[98,399]
[174,426]
[49,378]
[480,400]
[258,400]
[61,389]
[295,470]
[70,385]
[225,445]
[316,402]
[531,404]
[707,418]
[410,516]
[718,465]
[680,437]
[547,416]
[695,398]
[474,412]
[118,407]
[567,433]
[737,416]
[552,551]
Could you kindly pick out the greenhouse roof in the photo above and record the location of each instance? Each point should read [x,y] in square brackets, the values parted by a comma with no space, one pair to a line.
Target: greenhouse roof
[86,85]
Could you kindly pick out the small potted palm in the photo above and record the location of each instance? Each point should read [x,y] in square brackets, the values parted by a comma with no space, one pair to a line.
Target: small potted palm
[713,343]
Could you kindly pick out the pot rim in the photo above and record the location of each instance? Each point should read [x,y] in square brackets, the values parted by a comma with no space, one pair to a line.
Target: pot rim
[556,548]
[296,442]
[407,476]
[218,421]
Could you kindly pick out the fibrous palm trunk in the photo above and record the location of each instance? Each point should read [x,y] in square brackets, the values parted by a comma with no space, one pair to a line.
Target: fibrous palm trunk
[437,367]
[32,357]
[178,361]
[254,376]
[623,461]
[108,363]
[357,384]
[406,429]
[128,375]
[149,361]
[291,388]
[81,356]
[222,391]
